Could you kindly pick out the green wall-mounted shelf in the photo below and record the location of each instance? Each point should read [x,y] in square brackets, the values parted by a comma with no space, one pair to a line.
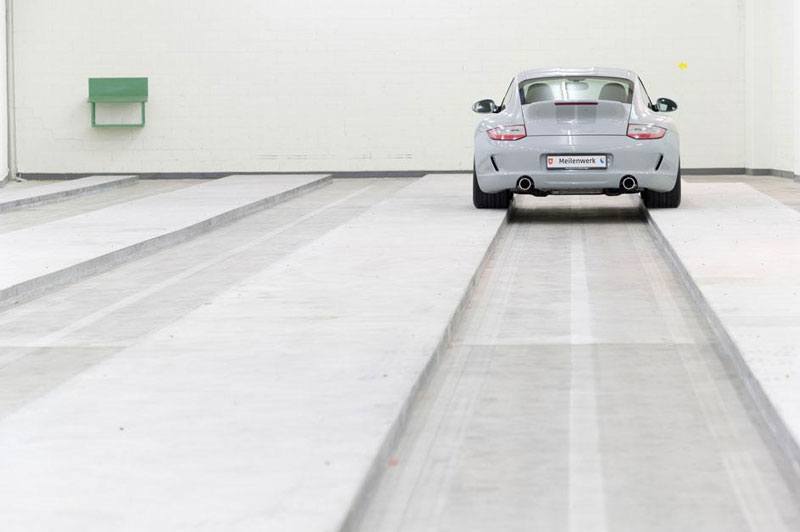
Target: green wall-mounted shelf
[117,90]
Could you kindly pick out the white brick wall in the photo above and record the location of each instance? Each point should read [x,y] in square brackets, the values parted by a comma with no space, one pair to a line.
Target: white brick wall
[770,86]
[796,75]
[351,85]
[3,98]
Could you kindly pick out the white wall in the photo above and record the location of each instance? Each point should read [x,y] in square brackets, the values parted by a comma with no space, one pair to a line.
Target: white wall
[796,76]
[770,86]
[348,85]
[3,99]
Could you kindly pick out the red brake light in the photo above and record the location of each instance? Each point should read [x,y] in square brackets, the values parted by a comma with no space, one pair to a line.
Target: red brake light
[645,132]
[508,133]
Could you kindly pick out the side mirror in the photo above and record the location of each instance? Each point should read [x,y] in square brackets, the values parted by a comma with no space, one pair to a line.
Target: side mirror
[665,105]
[484,106]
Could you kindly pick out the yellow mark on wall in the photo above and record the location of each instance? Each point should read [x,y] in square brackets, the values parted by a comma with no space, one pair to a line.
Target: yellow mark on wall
[683,65]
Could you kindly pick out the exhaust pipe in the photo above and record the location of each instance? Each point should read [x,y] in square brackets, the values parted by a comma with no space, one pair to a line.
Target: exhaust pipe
[525,184]
[628,184]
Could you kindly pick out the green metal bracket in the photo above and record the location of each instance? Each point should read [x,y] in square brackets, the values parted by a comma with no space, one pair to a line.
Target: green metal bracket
[117,90]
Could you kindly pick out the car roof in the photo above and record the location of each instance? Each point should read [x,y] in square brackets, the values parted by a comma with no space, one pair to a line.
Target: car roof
[582,72]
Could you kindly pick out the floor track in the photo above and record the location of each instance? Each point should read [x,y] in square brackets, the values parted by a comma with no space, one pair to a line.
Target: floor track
[48,340]
[583,391]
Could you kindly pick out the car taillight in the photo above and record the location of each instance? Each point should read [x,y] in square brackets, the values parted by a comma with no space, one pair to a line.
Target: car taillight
[644,132]
[507,133]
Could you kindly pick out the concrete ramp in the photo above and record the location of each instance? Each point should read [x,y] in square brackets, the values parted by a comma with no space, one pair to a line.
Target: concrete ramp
[38,258]
[15,197]
[739,252]
[269,407]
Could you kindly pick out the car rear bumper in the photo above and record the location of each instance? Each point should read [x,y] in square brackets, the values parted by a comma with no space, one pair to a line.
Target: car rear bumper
[500,164]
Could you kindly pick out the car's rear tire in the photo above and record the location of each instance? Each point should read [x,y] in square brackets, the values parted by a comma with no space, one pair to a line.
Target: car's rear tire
[663,200]
[482,200]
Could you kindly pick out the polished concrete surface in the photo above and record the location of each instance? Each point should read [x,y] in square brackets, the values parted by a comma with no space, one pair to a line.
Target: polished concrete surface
[38,257]
[785,190]
[13,196]
[48,341]
[740,250]
[583,392]
[263,408]
[235,381]
[38,214]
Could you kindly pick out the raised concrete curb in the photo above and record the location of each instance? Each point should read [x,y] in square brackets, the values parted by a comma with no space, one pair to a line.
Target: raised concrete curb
[394,434]
[29,196]
[770,412]
[38,284]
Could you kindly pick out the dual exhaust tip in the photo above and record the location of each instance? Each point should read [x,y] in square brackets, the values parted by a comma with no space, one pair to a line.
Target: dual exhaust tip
[626,184]
[525,184]
[629,184]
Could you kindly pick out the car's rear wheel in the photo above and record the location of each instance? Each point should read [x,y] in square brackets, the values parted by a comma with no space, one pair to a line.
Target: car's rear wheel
[482,200]
[663,200]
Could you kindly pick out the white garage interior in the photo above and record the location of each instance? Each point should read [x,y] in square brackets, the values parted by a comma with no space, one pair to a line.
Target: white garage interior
[243,285]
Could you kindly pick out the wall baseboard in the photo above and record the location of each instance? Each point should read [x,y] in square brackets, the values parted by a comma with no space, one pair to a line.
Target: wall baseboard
[714,171]
[772,172]
[741,171]
[376,173]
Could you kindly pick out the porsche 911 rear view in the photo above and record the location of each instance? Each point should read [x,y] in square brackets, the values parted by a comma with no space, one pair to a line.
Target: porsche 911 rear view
[578,131]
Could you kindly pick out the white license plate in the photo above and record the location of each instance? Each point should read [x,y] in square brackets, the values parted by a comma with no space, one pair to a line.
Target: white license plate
[576,162]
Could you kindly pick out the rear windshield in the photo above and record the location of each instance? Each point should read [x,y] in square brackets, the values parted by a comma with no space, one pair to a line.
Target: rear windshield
[576,89]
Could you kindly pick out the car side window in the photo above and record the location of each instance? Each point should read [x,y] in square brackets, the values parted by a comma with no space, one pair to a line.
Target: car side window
[507,97]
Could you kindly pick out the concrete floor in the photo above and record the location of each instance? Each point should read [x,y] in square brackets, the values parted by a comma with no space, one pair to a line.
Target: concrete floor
[46,255]
[263,408]
[739,250]
[583,392]
[787,191]
[51,339]
[14,197]
[39,214]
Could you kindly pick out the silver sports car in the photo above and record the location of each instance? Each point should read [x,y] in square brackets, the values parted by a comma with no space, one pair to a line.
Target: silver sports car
[576,131]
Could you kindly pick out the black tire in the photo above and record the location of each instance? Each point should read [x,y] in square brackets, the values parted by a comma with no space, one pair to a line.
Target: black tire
[482,200]
[663,200]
